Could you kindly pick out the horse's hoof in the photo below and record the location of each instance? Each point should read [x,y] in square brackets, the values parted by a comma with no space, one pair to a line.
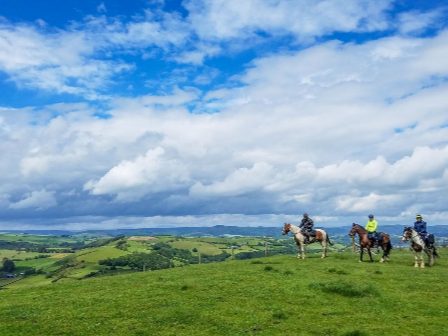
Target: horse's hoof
[359,260]
[422,266]
[416,266]
[381,261]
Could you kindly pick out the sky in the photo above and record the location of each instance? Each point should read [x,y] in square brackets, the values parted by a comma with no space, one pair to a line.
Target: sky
[163,113]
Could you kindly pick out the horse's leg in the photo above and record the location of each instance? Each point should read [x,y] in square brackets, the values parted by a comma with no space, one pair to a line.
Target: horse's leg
[416,259]
[383,258]
[431,257]
[370,254]
[362,253]
[422,260]
[388,251]
[324,248]
[298,250]
[303,246]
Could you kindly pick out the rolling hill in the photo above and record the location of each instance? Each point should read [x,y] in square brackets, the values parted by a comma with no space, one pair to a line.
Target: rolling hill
[277,295]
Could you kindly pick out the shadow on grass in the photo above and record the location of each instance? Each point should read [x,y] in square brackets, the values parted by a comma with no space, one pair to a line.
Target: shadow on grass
[355,333]
[337,271]
[270,269]
[345,288]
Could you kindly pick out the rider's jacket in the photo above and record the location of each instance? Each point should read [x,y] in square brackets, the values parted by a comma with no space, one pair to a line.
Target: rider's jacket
[307,224]
[420,227]
[371,226]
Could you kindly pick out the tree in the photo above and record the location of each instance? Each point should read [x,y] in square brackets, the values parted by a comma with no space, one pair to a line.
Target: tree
[8,265]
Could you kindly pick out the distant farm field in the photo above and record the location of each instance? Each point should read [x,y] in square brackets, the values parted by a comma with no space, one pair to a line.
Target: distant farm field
[100,253]
[278,295]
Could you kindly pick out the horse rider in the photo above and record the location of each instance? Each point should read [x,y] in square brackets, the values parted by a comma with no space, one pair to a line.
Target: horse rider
[307,227]
[428,239]
[420,227]
[371,227]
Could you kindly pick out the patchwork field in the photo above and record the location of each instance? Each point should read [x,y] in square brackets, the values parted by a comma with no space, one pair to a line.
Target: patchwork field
[278,295]
[96,254]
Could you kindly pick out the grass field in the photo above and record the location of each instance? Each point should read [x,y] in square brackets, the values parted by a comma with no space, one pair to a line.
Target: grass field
[96,254]
[38,239]
[278,295]
[202,247]
[13,254]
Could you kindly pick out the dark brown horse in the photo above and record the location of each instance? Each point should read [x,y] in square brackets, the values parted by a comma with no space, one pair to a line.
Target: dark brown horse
[365,243]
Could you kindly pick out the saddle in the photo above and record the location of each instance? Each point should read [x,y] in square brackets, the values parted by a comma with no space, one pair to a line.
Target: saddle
[374,236]
[429,240]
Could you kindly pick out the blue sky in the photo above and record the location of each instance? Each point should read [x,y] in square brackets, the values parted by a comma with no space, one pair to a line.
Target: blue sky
[197,112]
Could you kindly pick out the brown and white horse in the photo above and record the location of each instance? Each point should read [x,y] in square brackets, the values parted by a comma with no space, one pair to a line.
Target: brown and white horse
[365,243]
[322,237]
[418,246]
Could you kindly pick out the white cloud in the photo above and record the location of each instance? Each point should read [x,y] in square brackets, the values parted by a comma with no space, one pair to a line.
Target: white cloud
[131,180]
[239,182]
[337,130]
[83,58]
[101,8]
[229,19]
[40,200]
[60,61]
[416,22]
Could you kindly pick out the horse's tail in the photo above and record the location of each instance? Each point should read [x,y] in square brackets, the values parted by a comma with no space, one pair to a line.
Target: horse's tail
[434,252]
[328,239]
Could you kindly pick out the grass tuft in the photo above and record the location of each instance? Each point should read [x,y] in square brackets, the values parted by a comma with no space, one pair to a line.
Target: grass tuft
[279,315]
[355,333]
[270,269]
[343,256]
[288,272]
[345,288]
[185,287]
[337,271]
[256,262]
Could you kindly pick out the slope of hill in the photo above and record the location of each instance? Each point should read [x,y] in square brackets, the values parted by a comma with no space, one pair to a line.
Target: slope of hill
[278,295]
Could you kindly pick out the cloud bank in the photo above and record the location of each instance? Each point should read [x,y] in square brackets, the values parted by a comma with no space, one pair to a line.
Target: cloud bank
[338,129]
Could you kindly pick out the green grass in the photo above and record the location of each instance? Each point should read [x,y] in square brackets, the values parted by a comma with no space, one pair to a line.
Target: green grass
[43,263]
[28,282]
[99,253]
[137,246]
[13,254]
[37,239]
[279,295]
[205,248]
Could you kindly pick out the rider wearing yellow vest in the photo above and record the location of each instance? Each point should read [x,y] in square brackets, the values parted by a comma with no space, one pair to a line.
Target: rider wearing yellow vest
[371,224]
[371,227]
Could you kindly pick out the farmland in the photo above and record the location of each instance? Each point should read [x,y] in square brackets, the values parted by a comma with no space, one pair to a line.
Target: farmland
[47,262]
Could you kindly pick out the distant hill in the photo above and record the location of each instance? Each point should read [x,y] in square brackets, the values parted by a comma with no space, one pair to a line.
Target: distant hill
[219,230]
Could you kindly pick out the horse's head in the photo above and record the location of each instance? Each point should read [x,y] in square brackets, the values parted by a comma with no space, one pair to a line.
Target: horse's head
[407,233]
[286,228]
[354,230]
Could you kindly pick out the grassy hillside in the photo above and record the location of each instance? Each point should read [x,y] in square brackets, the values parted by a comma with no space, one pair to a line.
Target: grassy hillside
[278,295]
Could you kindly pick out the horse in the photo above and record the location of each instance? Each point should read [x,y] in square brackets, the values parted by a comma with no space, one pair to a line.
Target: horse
[418,246]
[365,242]
[321,236]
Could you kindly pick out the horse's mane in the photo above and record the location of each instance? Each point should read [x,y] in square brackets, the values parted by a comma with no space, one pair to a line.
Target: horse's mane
[360,227]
